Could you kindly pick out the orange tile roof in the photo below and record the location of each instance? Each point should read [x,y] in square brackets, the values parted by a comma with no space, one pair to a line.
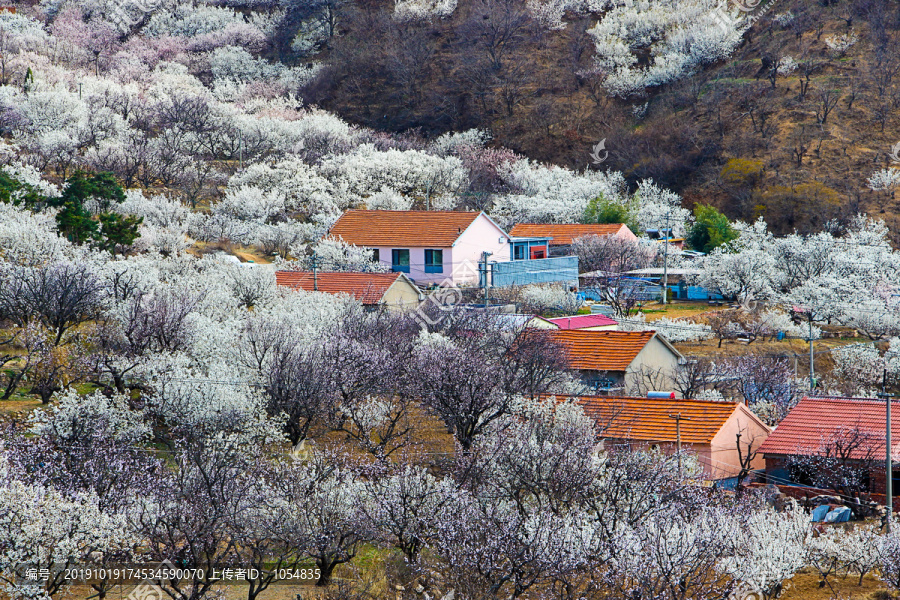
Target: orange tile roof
[563,234]
[814,421]
[368,288]
[649,420]
[402,228]
[601,350]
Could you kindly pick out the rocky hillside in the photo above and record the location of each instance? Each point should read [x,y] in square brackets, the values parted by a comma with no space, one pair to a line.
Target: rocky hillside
[790,126]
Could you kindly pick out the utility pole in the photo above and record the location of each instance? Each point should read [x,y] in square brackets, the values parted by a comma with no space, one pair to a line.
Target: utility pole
[889,463]
[484,257]
[889,482]
[812,356]
[240,149]
[665,285]
[315,268]
[678,418]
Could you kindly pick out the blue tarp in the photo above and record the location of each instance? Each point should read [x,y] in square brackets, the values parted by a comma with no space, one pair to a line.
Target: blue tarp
[818,514]
[838,515]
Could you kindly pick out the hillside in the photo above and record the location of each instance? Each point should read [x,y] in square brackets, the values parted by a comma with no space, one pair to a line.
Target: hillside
[804,141]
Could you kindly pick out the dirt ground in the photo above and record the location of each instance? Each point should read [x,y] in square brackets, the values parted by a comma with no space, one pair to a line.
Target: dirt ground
[805,586]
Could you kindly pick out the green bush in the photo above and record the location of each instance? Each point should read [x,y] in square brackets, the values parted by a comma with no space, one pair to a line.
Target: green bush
[711,229]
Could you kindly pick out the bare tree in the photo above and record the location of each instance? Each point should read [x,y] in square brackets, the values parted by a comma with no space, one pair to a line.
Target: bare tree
[826,100]
[647,379]
[61,296]
[470,380]
[297,386]
[747,449]
[498,27]
[841,461]
[695,375]
[612,254]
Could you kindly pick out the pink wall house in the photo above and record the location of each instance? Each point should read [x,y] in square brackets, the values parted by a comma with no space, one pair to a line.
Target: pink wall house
[441,247]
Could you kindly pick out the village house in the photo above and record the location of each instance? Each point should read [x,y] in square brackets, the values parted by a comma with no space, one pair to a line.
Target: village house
[620,361]
[708,429]
[389,290]
[850,431]
[450,247]
[561,236]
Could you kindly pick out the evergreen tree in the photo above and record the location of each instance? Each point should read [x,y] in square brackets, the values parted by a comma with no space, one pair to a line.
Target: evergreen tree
[711,229]
[117,230]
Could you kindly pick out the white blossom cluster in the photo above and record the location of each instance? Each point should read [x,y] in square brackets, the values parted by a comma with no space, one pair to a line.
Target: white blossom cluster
[839,44]
[885,179]
[549,297]
[844,278]
[552,194]
[421,10]
[679,36]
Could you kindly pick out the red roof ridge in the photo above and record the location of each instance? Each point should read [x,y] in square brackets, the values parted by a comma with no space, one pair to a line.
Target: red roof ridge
[368,287]
[733,403]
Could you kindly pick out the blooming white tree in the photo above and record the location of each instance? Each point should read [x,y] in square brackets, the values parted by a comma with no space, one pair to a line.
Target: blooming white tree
[74,413]
[766,548]
[681,330]
[550,194]
[839,44]
[889,550]
[549,297]
[409,10]
[745,268]
[679,37]
[41,528]
[410,172]
[885,179]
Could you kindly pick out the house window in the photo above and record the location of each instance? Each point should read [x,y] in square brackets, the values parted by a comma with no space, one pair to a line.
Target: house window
[434,261]
[376,255]
[519,251]
[400,260]
[538,252]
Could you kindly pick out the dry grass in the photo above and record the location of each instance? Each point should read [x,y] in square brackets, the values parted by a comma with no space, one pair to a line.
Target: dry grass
[676,310]
[243,253]
[805,586]
[18,407]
